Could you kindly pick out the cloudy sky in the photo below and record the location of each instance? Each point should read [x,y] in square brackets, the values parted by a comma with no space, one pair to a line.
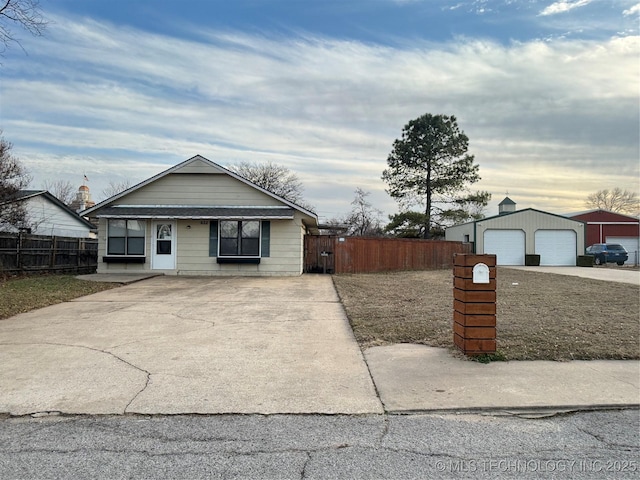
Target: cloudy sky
[547,91]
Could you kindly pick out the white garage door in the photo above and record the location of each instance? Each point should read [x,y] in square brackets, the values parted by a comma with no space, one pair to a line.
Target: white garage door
[507,245]
[556,247]
[631,245]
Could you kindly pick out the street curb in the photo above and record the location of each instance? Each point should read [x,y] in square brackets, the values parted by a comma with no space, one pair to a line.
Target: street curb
[548,410]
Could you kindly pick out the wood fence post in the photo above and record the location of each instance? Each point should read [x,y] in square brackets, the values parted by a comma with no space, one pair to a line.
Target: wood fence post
[52,252]
[18,249]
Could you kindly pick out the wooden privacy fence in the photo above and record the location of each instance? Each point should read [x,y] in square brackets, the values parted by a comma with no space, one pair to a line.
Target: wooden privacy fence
[20,252]
[373,254]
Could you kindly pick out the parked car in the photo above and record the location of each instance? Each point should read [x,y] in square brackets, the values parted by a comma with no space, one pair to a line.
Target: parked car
[604,253]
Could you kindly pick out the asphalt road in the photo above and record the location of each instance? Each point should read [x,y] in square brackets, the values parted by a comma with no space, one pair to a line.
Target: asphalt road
[600,444]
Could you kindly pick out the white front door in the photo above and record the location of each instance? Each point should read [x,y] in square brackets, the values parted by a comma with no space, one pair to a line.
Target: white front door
[164,245]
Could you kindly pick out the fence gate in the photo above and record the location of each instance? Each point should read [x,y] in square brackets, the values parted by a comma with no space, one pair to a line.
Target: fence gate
[319,253]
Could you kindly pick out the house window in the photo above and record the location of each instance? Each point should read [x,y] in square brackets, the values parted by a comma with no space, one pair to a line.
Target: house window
[214,237]
[125,237]
[240,238]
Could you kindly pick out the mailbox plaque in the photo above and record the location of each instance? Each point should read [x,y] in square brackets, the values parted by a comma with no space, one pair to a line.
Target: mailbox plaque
[480,273]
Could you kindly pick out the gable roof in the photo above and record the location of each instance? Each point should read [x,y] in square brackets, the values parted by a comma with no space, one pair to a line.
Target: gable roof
[507,201]
[23,195]
[608,213]
[506,214]
[186,163]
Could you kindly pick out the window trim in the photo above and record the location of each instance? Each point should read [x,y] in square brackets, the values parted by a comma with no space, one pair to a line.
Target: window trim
[239,237]
[126,237]
[265,238]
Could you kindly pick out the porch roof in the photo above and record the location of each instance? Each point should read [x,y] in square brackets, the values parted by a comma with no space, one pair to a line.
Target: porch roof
[196,212]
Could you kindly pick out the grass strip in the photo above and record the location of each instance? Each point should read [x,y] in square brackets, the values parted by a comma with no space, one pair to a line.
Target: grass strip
[19,295]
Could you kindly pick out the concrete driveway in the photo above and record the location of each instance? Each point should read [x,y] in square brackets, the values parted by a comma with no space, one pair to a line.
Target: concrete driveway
[170,345]
[605,273]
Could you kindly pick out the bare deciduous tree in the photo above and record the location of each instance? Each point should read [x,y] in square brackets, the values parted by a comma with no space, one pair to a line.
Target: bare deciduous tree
[616,200]
[13,178]
[63,190]
[275,178]
[115,188]
[23,13]
[364,218]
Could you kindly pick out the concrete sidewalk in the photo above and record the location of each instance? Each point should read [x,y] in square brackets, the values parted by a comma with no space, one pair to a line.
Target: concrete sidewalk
[412,378]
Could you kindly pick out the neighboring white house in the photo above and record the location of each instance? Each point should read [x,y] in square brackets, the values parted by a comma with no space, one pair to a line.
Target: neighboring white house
[46,215]
[513,234]
[198,218]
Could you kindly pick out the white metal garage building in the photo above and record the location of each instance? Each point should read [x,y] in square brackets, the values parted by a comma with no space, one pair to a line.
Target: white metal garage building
[514,234]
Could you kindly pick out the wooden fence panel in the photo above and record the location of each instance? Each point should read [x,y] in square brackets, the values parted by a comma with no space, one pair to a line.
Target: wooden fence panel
[380,254]
[21,252]
[8,252]
[34,252]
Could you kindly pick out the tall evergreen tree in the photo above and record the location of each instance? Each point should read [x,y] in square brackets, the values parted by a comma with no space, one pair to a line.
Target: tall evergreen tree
[430,166]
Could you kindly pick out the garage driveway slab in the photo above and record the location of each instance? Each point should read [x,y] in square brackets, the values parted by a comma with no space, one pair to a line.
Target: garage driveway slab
[622,275]
[171,345]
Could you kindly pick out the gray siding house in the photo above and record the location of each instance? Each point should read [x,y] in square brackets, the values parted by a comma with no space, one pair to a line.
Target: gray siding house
[198,218]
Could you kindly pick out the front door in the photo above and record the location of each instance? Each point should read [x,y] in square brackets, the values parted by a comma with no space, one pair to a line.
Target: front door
[164,246]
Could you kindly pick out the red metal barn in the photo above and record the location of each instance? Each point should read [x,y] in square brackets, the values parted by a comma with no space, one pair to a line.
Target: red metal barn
[610,227]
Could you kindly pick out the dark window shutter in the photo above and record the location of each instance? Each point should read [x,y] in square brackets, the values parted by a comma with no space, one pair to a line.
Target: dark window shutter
[266,238]
[213,238]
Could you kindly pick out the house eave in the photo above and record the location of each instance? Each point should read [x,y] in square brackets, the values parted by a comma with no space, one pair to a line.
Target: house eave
[196,217]
[187,212]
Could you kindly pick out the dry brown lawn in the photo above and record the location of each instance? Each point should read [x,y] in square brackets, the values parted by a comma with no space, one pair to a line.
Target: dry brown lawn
[540,316]
[19,295]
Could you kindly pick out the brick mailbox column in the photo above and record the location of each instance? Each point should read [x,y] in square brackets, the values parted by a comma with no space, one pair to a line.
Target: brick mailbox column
[474,304]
